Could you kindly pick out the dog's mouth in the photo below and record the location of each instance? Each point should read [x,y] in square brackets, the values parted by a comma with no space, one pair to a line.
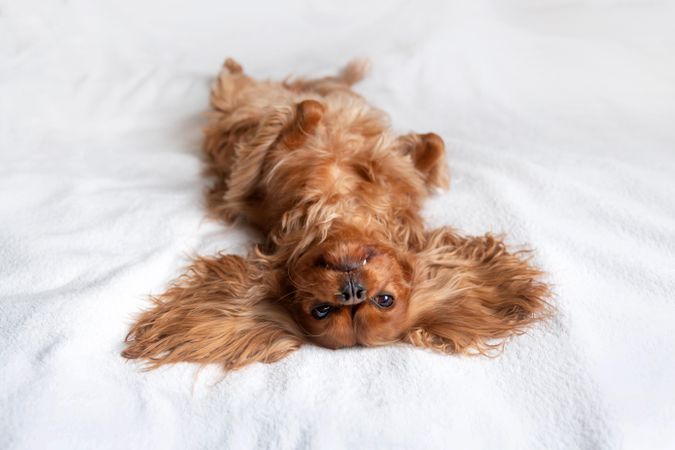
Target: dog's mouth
[346,264]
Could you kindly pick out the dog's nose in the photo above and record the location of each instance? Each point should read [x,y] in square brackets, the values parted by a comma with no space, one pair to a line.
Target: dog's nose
[353,292]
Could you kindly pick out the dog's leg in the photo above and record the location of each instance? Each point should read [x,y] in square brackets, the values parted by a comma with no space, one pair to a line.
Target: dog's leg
[230,81]
[354,71]
[427,152]
[351,74]
[233,66]
[229,125]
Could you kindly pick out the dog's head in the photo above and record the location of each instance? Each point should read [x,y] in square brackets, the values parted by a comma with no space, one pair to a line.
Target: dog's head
[453,294]
[351,292]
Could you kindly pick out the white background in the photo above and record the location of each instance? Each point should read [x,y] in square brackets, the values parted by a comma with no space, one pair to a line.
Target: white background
[559,118]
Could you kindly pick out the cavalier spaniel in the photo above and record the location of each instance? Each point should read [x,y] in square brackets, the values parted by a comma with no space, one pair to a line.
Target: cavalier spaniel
[346,259]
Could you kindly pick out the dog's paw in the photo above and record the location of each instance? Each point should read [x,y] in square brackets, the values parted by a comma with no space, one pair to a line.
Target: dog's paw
[232,66]
[355,71]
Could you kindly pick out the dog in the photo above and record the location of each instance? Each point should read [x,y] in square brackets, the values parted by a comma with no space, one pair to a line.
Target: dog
[346,259]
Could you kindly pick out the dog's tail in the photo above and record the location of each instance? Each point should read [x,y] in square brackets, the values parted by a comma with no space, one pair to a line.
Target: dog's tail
[354,71]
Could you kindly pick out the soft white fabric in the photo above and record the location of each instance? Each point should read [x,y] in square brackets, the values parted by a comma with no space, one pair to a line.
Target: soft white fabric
[559,118]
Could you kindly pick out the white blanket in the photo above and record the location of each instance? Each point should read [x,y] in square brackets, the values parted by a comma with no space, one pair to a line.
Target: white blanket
[559,117]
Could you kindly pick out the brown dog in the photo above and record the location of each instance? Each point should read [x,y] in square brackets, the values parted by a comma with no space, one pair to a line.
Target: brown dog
[346,260]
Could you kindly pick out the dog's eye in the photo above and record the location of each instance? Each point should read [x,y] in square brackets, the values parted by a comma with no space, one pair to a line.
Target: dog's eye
[384,300]
[321,311]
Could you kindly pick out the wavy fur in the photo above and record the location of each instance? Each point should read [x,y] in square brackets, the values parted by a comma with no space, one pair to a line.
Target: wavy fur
[338,196]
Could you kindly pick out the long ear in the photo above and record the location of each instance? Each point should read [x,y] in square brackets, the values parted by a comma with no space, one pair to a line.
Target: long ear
[427,152]
[470,292]
[221,311]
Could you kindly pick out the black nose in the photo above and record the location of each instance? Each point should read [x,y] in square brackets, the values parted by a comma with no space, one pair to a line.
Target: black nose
[353,292]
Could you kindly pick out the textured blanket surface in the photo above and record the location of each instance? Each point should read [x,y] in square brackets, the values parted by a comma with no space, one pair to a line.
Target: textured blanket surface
[559,119]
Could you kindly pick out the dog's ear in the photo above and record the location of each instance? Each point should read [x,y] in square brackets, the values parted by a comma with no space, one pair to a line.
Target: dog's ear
[427,152]
[222,311]
[471,292]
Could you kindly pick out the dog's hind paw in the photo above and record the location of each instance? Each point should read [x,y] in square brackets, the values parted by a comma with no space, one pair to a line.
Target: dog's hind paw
[233,66]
